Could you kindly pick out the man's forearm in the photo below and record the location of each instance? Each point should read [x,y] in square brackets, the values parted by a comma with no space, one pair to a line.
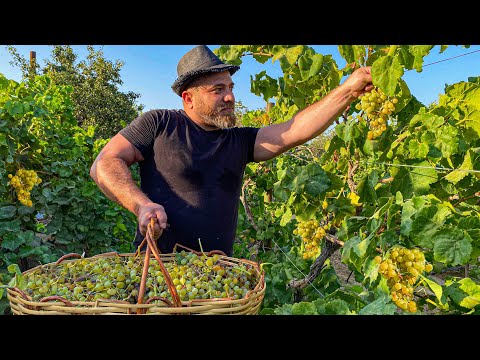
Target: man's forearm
[305,125]
[316,118]
[114,179]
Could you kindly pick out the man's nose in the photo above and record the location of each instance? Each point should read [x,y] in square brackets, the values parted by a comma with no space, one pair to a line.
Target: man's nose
[229,97]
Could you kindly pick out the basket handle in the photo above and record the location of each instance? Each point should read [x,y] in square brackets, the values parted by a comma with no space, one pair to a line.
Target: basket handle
[66,256]
[115,253]
[219,252]
[210,253]
[24,296]
[152,248]
[56,297]
[153,298]
[22,293]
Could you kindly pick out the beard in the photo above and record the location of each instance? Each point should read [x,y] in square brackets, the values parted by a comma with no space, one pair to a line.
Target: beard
[213,117]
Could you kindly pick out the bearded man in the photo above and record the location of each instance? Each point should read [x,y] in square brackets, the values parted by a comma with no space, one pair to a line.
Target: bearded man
[192,160]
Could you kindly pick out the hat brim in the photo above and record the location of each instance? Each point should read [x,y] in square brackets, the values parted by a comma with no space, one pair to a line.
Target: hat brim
[183,80]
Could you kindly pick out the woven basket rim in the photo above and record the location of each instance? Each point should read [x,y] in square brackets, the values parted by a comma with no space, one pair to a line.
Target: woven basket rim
[21,303]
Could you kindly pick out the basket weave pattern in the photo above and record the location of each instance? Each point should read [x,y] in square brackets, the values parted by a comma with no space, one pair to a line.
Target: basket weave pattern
[22,304]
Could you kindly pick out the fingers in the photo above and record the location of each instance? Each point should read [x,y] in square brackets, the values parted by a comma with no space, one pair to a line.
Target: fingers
[155,211]
[366,81]
[161,218]
[160,224]
[157,227]
[157,231]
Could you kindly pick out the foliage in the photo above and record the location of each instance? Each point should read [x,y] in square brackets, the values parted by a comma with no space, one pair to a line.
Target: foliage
[38,132]
[414,187]
[96,96]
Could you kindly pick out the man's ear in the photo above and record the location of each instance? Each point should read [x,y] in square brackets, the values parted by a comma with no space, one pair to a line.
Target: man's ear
[187,98]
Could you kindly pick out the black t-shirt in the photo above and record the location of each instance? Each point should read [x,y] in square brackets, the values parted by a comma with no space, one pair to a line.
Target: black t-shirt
[196,175]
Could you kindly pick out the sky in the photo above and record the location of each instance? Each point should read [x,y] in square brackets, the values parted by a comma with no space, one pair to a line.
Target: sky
[150,70]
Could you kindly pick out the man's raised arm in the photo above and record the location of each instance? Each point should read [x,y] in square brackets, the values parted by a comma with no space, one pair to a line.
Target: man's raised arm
[310,122]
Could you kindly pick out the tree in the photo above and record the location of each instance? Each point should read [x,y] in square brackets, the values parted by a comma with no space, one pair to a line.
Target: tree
[95,80]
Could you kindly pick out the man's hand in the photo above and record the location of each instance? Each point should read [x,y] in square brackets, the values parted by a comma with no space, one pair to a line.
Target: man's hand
[360,81]
[152,210]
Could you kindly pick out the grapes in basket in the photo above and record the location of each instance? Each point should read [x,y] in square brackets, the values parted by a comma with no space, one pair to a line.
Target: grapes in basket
[195,276]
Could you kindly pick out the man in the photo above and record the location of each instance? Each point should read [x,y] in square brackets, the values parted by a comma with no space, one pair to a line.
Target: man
[192,160]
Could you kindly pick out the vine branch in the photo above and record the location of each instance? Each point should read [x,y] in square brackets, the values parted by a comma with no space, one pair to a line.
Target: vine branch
[306,148]
[332,245]
[386,180]
[352,167]
[243,199]
[477,194]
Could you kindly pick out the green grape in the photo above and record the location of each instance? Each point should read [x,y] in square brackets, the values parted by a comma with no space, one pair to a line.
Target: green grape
[116,278]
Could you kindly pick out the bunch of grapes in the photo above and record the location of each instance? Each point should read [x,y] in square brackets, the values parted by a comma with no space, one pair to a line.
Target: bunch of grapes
[377,107]
[23,182]
[194,277]
[311,233]
[402,267]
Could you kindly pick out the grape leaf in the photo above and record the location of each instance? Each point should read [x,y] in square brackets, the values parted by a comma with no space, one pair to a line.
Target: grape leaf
[464,292]
[386,72]
[417,149]
[437,290]
[452,246]
[381,306]
[446,139]
[304,308]
[285,309]
[413,181]
[419,52]
[457,175]
[352,53]
[370,270]
[310,66]
[427,222]
[337,307]
[366,187]
[7,212]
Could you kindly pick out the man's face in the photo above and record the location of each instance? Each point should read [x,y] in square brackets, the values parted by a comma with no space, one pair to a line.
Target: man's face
[213,100]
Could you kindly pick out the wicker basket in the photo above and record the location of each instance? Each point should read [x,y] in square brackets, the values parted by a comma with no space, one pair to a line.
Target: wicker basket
[22,304]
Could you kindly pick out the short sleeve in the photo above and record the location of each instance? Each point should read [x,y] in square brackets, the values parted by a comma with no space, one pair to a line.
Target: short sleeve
[142,131]
[250,134]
